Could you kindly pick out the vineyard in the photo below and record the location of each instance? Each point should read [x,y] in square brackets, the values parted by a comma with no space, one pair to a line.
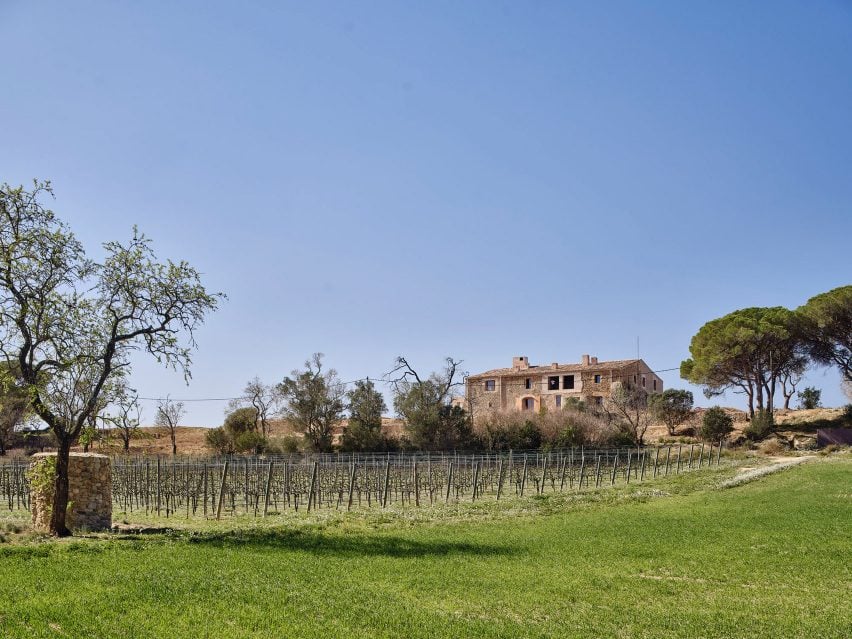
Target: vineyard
[217,487]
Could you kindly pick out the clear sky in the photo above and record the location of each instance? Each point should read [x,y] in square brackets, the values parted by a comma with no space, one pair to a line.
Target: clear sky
[477,179]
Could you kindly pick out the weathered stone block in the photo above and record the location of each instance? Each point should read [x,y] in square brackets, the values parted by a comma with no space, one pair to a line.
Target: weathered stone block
[89,493]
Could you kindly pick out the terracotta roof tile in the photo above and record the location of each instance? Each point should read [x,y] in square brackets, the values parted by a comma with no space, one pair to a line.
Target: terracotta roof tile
[560,368]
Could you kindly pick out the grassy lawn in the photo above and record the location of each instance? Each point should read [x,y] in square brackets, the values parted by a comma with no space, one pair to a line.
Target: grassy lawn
[675,558]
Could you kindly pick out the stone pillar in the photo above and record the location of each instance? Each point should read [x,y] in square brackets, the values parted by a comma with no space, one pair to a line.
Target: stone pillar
[89,492]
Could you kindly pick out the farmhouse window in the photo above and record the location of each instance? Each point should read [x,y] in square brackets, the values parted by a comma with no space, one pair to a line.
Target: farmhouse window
[553,383]
[568,382]
[527,383]
[597,379]
[643,381]
[490,385]
[528,403]
[655,384]
[559,401]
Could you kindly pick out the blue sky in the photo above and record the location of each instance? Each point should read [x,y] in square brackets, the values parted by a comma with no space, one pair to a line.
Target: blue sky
[479,180]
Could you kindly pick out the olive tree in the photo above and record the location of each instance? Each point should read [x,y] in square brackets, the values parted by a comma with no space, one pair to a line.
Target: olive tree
[364,430]
[264,399]
[425,403]
[315,402]
[71,323]
[672,407]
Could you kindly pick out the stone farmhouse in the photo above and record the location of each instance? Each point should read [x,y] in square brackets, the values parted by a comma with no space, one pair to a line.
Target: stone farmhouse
[527,387]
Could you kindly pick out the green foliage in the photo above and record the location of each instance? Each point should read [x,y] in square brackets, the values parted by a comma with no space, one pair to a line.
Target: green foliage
[250,442]
[239,422]
[88,436]
[760,426]
[672,407]
[41,475]
[286,444]
[238,434]
[314,402]
[828,328]
[809,397]
[574,403]
[716,424]
[219,441]
[745,351]
[73,323]
[364,430]
[430,424]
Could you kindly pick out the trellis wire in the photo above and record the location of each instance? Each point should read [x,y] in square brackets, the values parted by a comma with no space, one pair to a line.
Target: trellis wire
[259,486]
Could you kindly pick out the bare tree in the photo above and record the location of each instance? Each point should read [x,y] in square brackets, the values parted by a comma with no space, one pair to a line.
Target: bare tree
[628,406]
[127,415]
[169,414]
[263,398]
[70,323]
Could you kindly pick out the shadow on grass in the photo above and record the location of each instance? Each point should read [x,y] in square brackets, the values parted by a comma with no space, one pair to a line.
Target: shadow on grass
[351,545]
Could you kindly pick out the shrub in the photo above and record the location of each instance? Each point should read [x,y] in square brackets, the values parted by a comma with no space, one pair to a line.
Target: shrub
[219,441]
[250,442]
[286,444]
[760,426]
[772,447]
[240,421]
[809,397]
[716,424]
[552,429]
[846,415]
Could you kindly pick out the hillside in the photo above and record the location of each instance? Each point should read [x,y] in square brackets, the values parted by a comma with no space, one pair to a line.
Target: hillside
[191,439]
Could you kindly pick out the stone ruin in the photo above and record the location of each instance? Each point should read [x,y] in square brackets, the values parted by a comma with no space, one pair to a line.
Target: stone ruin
[89,493]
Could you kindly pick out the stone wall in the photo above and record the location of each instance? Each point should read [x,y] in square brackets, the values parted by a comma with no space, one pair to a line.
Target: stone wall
[89,493]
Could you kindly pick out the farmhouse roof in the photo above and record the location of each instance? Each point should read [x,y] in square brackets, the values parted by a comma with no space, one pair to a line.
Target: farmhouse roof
[616,364]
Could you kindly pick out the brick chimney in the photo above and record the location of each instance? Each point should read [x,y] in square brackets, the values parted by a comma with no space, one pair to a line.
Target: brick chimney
[585,360]
[521,363]
[594,360]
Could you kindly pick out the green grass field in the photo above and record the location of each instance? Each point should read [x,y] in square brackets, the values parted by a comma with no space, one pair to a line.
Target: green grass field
[675,558]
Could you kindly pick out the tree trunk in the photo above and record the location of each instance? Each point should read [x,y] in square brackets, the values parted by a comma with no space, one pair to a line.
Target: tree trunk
[126,440]
[759,389]
[770,395]
[750,394]
[174,443]
[60,491]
